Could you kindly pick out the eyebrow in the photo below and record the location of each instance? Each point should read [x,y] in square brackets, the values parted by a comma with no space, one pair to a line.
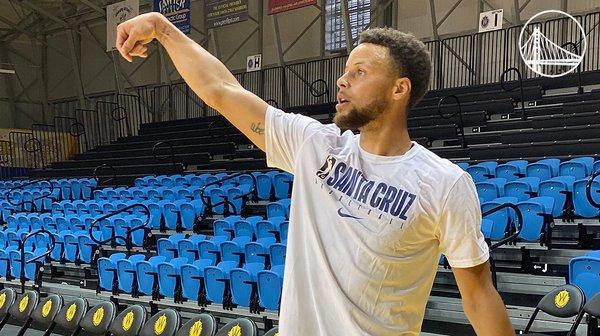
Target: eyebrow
[357,63]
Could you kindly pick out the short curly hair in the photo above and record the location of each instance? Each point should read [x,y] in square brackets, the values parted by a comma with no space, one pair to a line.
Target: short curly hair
[410,57]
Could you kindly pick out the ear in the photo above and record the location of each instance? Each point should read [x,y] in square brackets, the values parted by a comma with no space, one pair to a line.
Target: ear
[402,89]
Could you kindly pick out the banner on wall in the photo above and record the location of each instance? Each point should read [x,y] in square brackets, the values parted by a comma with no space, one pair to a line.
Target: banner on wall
[115,14]
[177,11]
[221,13]
[279,6]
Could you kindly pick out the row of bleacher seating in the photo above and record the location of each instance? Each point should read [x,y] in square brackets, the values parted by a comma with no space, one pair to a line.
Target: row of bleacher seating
[227,282]
[568,194]
[545,169]
[269,186]
[75,317]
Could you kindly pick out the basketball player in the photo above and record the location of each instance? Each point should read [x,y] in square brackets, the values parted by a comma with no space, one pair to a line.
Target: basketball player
[371,213]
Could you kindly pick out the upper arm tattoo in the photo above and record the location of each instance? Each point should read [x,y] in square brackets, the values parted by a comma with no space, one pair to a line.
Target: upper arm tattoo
[256,128]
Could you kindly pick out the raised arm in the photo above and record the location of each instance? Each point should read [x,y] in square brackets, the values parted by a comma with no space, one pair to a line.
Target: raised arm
[204,73]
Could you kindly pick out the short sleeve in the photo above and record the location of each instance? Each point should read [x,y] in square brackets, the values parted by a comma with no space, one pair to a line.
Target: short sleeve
[285,133]
[461,239]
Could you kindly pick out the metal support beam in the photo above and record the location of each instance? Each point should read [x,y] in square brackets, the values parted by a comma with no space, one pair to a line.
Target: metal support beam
[45,13]
[347,29]
[301,34]
[33,36]
[94,6]
[434,26]
[517,12]
[438,24]
[114,59]
[280,56]
[75,57]
[9,88]
[44,76]
[278,40]
[524,5]
[240,46]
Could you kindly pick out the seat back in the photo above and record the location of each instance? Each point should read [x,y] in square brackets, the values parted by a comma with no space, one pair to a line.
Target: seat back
[47,310]
[584,272]
[71,314]
[241,326]
[24,305]
[7,298]
[164,323]
[272,332]
[563,302]
[97,320]
[201,325]
[129,322]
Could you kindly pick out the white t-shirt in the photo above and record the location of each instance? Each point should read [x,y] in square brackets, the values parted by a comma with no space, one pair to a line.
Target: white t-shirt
[366,231]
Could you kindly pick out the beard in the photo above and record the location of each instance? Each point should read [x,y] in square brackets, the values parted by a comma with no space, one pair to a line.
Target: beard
[358,117]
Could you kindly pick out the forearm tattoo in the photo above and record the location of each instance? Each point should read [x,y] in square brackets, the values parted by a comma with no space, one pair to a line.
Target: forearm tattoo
[256,128]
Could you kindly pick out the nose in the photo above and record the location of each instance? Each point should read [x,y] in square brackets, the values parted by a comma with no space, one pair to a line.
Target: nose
[342,82]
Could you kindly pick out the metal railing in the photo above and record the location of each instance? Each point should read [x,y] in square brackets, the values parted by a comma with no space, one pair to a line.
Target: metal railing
[171,154]
[206,200]
[114,237]
[32,201]
[520,85]
[588,190]
[461,124]
[511,238]
[23,279]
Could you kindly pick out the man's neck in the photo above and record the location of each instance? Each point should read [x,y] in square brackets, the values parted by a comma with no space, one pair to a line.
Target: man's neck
[385,137]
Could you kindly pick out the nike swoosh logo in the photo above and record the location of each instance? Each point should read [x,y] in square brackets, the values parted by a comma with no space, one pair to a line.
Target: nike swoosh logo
[346,215]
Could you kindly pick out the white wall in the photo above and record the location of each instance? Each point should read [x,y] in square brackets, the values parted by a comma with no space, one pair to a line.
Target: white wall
[98,70]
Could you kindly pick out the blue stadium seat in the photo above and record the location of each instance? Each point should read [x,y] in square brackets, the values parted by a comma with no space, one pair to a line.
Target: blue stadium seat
[192,278]
[264,185]
[269,228]
[523,188]
[269,287]
[543,169]
[242,281]
[584,272]
[482,171]
[215,278]
[535,213]
[497,224]
[169,273]
[283,185]
[210,249]
[581,204]
[224,227]
[578,167]
[126,272]
[246,227]
[107,270]
[87,245]
[277,252]
[233,250]
[512,170]
[188,248]
[280,208]
[147,274]
[463,165]
[258,251]
[168,247]
[557,188]
[490,189]
[596,167]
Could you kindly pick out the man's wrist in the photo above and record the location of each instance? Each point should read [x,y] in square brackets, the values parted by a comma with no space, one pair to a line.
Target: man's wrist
[162,27]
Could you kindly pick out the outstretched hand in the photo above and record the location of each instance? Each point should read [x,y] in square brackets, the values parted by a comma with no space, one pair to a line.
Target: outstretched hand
[134,34]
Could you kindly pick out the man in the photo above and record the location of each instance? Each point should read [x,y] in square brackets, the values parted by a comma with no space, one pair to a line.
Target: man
[371,213]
